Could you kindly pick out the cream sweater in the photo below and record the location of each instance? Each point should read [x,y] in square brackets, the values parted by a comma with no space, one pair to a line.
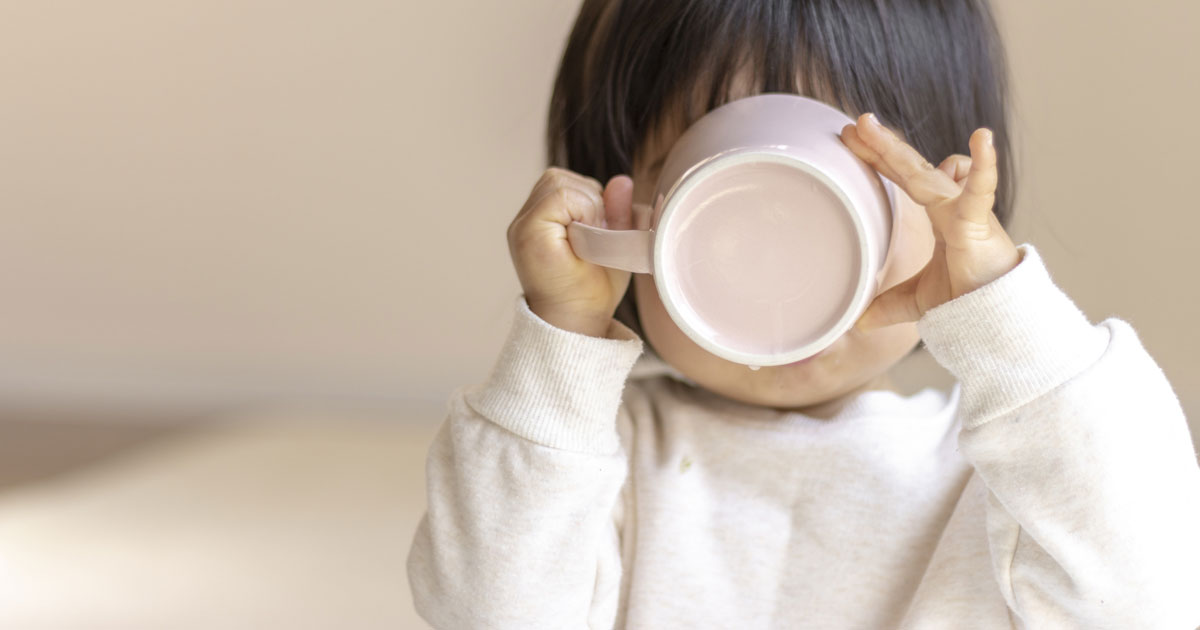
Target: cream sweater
[1055,486]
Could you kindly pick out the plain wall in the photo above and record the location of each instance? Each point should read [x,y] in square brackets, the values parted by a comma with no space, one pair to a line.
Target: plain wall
[217,203]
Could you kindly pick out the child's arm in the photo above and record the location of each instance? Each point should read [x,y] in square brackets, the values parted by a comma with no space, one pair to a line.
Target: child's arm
[1093,512]
[524,487]
[1094,491]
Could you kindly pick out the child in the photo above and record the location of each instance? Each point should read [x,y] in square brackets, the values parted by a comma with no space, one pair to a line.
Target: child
[612,473]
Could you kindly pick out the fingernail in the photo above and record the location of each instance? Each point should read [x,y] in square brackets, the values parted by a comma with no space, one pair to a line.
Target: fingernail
[988,137]
[874,121]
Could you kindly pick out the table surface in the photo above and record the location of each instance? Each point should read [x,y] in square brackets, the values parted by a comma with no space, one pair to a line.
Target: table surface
[271,518]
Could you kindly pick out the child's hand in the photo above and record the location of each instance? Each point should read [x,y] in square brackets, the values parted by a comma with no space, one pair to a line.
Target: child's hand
[971,247]
[561,288]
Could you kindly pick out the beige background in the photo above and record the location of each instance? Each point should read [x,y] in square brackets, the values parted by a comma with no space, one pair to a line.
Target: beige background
[220,206]
[208,203]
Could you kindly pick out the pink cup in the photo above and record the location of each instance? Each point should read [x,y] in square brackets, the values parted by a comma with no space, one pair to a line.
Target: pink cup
[768,237]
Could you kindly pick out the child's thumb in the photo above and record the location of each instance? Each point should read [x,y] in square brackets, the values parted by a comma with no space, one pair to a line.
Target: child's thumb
[618,203]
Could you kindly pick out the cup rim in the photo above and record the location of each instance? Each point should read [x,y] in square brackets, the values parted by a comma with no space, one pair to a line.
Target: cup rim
[735,157]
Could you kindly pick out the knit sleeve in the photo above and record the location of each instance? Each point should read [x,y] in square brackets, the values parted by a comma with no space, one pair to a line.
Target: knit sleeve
[1094,490]
[524,484]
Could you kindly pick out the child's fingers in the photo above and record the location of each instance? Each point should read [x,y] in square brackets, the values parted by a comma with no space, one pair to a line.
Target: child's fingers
[921,180]
[956,166]
[563,196]
[851,138]
[979,192]
[573,182]
[618,203]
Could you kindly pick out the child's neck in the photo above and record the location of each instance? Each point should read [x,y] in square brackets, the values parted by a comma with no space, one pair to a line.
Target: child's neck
[829,408]
[882,382]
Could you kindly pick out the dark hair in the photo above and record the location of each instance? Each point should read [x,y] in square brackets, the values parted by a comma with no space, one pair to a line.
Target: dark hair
[935,70]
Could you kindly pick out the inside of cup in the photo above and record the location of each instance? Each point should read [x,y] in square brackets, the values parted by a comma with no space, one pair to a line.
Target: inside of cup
[760,257]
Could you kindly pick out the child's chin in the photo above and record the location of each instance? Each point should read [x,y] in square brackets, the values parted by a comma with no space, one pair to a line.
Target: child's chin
[790,385]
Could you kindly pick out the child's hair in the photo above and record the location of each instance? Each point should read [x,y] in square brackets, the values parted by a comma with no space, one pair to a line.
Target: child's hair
[933,69]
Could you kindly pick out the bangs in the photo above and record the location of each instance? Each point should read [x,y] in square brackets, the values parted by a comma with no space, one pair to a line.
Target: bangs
[935,71]
[667,65]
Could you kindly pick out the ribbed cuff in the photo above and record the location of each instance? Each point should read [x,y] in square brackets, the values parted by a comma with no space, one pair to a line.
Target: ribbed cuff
[556,387]
[1011,340]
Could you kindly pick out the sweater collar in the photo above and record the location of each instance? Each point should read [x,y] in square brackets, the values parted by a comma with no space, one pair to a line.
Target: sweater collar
[927,402]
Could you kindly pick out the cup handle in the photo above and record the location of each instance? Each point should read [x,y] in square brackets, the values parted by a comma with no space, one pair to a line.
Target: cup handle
[630,250]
